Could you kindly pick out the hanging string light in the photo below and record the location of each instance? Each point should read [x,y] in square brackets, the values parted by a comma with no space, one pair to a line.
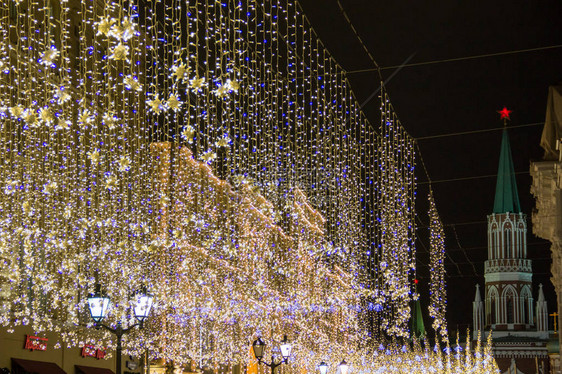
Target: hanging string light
[210,150]
[437,292]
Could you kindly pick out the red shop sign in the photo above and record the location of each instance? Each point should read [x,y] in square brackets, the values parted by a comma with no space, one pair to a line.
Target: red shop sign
[91,351]
[35,343]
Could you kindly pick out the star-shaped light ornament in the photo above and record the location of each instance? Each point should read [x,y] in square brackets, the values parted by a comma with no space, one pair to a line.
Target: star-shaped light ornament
[46,116]
[109,120]
[63,96]
[127,29]
[132,83]
[180,71]
[208,156]
[221,91]
[104,26]
[85,118]
[223,142]
[94,156]
[120,52]
[124,164]
[49,56]
[155,104]
[232,85]
[30,117]
[174,103]
[188,133]
[504,113]
[16,111]
[111,183]
[197,84]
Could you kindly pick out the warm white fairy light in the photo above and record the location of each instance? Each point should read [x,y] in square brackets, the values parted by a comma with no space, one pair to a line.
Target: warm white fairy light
[212,151]
[437,291]
[416,359]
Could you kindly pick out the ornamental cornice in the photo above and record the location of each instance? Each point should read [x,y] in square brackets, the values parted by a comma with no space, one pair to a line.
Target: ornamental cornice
[508,265]
[520,353]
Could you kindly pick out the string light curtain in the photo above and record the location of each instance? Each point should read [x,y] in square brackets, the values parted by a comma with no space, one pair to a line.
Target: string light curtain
[437,292]
[210,150]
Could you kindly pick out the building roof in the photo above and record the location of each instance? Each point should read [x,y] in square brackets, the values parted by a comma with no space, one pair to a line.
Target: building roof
[507,199]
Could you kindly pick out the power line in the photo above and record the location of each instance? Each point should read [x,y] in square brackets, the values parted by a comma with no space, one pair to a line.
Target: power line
[377,68]
[460,58]
[463,251]
[476,131]
[467,178]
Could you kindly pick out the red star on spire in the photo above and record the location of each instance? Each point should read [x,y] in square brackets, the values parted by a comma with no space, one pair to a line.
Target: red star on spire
[504,113]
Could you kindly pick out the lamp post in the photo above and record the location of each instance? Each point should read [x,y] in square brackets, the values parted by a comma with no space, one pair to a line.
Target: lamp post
[285,347]
[99,304]
[323,367]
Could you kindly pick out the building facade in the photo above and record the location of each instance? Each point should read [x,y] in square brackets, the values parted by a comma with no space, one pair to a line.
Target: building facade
[547,190]
[508,311]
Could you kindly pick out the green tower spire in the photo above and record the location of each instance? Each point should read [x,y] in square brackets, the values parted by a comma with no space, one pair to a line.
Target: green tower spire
[507,199]
[417,326]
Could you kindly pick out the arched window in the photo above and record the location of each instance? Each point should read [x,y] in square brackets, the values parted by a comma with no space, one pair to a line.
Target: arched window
[493,310]
[527,301]
[509,304]
[526,310]
[495,244]
[507,244]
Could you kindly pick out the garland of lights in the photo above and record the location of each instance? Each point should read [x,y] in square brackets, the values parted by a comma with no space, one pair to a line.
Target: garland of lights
[437,293]
[212,151]
[395,198]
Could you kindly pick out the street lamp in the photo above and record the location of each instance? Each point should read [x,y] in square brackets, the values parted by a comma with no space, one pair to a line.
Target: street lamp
[285,347]
[99,304]
[323,367]
[343,367]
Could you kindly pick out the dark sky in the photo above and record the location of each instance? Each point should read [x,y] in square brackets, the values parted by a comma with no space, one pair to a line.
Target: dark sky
[453,97]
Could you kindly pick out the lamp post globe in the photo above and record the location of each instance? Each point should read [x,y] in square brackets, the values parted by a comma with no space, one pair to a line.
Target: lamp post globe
[285,347]
[323,367]
[98,305]
[343,367]
[143,305]
[258,347]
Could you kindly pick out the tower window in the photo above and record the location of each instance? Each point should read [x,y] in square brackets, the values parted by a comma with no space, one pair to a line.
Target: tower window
[509,308]
[507,244]
[526,310]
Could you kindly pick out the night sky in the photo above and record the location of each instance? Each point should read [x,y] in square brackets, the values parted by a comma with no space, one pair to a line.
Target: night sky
[454,97]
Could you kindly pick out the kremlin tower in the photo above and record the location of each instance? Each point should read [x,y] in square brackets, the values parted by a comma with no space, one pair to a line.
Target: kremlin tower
[519,327]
